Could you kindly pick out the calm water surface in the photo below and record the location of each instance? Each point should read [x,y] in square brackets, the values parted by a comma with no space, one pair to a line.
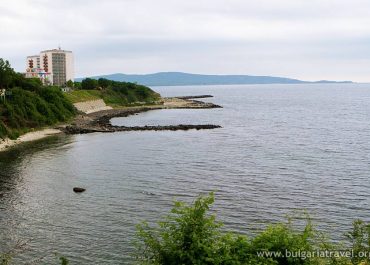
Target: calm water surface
[281,148]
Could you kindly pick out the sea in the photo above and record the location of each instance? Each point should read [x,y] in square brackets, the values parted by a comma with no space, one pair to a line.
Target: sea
[283,150]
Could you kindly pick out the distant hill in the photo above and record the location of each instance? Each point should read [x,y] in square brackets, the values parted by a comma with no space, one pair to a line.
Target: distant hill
[181,79]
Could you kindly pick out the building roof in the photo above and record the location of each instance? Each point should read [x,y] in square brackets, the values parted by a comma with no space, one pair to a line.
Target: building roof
[55,50]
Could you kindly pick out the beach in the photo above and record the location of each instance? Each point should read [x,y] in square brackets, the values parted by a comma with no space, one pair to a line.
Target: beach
[28,137]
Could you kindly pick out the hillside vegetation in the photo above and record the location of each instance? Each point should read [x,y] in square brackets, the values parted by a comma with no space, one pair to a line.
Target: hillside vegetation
[29,105]
[113,93]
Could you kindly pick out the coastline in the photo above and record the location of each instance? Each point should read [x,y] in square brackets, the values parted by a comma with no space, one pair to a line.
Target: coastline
[99,121]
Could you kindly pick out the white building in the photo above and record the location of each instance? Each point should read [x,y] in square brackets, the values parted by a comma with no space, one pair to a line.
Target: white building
[33,61]
[54,67]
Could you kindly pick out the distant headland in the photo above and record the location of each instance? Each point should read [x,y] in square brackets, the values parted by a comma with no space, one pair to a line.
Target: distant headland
[186,79]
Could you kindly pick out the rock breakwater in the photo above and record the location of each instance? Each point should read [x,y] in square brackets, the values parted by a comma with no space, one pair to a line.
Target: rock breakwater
[100,121]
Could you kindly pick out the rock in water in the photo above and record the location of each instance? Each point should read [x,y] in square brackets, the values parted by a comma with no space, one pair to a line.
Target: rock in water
[76,189]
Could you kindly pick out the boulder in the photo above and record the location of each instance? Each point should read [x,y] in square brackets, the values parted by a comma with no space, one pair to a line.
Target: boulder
[78,190]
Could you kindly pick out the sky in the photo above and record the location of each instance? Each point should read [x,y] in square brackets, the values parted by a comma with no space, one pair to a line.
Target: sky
[304,39]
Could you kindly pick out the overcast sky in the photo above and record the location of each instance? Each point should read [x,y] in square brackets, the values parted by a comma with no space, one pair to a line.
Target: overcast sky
[305,39]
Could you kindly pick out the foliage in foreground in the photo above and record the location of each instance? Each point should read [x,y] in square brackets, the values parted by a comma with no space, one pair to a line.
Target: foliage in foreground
[190,235]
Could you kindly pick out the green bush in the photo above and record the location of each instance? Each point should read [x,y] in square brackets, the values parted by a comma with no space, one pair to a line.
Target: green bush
[186,236]
[190,235]
[360,240]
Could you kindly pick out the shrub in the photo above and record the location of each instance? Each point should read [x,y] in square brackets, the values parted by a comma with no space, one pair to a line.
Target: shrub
[359,239]
[190,235]
[186,236]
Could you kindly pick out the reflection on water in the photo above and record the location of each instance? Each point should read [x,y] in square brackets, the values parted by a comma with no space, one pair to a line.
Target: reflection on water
[281,148]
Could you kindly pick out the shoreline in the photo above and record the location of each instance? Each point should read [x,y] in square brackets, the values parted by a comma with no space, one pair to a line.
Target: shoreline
[7,143]
[99,121]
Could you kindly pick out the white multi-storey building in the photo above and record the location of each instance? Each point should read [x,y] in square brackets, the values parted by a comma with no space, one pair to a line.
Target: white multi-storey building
[54,67]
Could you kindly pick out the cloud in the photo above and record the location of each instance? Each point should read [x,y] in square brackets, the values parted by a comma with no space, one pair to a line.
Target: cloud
[327,39]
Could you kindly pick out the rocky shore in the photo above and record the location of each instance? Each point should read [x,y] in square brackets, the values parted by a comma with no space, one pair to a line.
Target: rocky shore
[100,121]
[199,96]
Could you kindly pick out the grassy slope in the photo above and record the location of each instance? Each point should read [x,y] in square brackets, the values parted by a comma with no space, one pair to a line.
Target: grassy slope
[115,98]
[83,95]
[27,110]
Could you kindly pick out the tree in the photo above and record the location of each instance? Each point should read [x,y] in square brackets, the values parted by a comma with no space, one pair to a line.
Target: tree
[77,85]
[31,84]
[189,235]
[104,83]
[6,73]
[70,83]
[89,83]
